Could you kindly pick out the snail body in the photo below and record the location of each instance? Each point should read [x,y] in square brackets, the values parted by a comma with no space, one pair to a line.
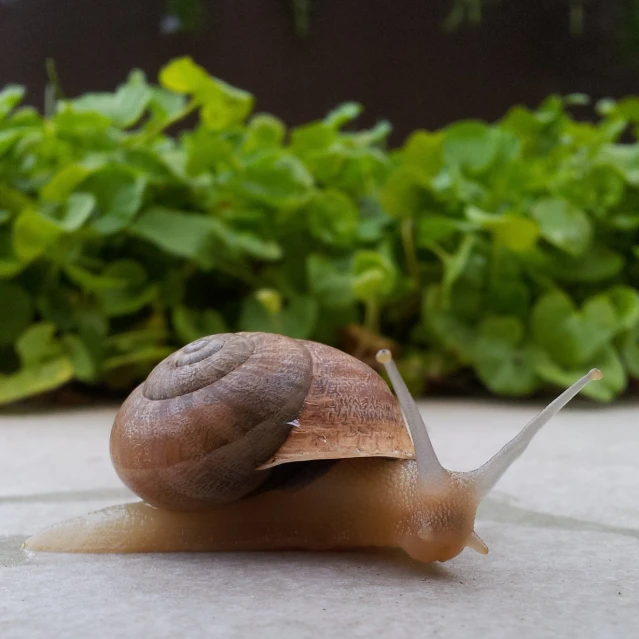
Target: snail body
[256,441]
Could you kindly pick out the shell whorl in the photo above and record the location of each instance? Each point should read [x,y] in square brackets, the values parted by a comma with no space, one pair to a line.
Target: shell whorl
[197,365]
[194,433]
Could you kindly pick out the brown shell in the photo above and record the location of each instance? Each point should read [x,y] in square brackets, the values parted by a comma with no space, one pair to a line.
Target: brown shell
[215,416]
[349,412]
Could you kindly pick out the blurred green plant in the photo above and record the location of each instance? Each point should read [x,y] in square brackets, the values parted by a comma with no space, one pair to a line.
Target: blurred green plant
[509,251]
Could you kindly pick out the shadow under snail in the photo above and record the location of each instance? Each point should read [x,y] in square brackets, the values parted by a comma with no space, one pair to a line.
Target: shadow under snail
[255,441]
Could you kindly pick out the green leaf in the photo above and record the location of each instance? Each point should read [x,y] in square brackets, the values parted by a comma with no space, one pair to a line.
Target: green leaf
[343,114]
[182,75]
[85,365]
[625,300]
[469,145]
[64,182]
[297,319]
[119,194]
[423,151]
[196,236]
[625,221]
[91,282]
[509,148]
[507,292]
[178,233]
[627,108]
[312,138]
[139,338]
[376,135]
[208,151]
[7,140]
[455,264]
[33,234]
[436,228]
[191,324]
[222,104]
[38,344]
[598,264]
[251,244]
[374,275]
[330,281]
[16,311]
[74,213]
[630,352]
[503,363]
[504,328]
[226,106]
[270,299]
[57,305]
[624,159]
[124,107]
[35,379]
[10,97]
[569,336]
[373,221]
[517,233]
[448,329]
[332,217]
[133,294]
[404,193]
[165,107]
[13,200]
[276,179]
[141,360]
[10,263]
[563,225]
[605,390]
[263,132]
[357,171]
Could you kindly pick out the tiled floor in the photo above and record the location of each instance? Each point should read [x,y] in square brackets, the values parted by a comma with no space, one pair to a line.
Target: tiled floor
[562,527]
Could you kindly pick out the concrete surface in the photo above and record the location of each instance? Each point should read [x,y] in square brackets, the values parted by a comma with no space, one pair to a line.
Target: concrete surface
[562,527]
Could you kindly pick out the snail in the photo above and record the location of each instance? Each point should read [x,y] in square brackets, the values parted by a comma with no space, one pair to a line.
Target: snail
[256,441]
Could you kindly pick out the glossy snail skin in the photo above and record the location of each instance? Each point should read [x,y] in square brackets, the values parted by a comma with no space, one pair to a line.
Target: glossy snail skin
[367,499]
[358,503]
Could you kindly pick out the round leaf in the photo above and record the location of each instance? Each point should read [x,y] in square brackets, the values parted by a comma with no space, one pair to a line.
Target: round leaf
[373,275]
[332,218]
[470,145]
[563,225]
[404,193]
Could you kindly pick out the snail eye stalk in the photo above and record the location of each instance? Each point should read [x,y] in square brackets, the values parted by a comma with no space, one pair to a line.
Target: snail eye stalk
[427,463]
[486,476]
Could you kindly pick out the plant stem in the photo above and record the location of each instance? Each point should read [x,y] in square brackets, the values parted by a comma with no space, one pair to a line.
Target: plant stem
[52,91]
[474,11]
[409,248]
[371,316]
[577,17]
[54,79]
[301,17]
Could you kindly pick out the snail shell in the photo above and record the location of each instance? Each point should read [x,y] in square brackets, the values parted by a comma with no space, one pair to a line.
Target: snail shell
[214,419]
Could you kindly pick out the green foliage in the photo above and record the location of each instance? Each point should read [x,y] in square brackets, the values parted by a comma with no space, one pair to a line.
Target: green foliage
[508,250]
